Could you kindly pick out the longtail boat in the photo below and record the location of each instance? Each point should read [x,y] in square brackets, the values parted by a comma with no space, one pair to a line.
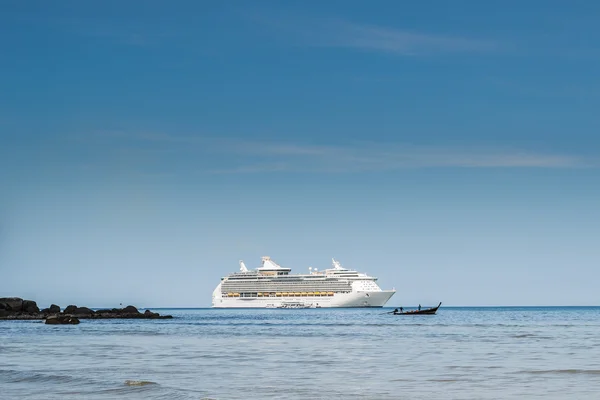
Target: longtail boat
[423,311]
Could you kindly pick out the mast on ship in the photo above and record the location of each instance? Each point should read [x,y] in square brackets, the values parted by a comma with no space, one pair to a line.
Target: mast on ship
[243,267]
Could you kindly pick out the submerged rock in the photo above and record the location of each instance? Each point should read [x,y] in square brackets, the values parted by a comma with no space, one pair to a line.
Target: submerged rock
[139,383]
[62,320]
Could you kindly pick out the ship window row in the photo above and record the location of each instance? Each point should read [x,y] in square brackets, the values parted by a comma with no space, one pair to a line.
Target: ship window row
[318,283]
[280,294]
[289,283]
[299,283]
[283,278]
[280,288]
[270,278]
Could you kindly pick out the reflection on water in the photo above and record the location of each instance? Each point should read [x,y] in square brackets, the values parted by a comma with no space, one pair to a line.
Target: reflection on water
[466,353]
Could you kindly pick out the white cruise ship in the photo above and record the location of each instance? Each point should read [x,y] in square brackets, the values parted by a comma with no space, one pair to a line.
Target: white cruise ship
[272,286]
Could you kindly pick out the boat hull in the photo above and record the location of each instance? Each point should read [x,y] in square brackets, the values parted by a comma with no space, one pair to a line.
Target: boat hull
[427,311]
[359,299]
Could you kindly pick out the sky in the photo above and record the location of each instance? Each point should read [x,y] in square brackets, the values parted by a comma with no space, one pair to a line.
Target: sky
[450,149]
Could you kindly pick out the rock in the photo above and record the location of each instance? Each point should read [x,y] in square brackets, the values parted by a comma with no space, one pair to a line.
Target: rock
[82,311]
[12,303]
[70,309]
[139,383]
[62,320]
[53,309]
[30,307]
[130,310]
[18,309]
[150,314]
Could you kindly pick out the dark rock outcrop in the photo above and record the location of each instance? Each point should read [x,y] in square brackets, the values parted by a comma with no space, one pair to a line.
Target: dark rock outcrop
[150,314]
[83,311]
[70,309]
[53,309]
[30,307]
[12,303]
[16,308]
[62,320]
[129,310]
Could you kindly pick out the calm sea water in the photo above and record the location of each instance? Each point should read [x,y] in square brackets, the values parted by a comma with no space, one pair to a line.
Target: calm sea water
[461,353]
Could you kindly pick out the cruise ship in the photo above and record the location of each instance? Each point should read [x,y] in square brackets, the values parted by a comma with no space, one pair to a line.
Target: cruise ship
[273,286]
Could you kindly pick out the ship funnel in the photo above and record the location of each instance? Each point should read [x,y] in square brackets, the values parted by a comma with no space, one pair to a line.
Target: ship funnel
[336,264]
[243,267]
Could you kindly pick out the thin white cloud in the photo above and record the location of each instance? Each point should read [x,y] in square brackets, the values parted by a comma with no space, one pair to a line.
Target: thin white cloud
[369,37]
[386,157]
[397,41]
[247,156]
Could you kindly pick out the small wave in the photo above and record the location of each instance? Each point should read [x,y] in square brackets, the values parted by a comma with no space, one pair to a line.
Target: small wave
[523,335]
[31,377]
[529,335]
[564,371]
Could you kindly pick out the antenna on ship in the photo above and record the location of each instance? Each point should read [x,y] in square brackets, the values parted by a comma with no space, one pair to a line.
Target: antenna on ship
[243,267]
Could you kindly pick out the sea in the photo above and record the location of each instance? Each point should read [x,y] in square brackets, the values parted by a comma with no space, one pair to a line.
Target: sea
[460,353]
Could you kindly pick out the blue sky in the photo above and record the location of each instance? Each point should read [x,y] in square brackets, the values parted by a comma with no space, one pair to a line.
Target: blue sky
[451,149]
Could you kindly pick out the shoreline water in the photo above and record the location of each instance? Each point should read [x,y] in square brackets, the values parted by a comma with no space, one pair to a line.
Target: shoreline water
[466,353]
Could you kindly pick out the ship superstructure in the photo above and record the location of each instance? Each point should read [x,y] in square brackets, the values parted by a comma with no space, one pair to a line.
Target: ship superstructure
[273,286]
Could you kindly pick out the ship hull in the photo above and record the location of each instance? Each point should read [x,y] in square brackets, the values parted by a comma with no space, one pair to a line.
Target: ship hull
[340,300]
